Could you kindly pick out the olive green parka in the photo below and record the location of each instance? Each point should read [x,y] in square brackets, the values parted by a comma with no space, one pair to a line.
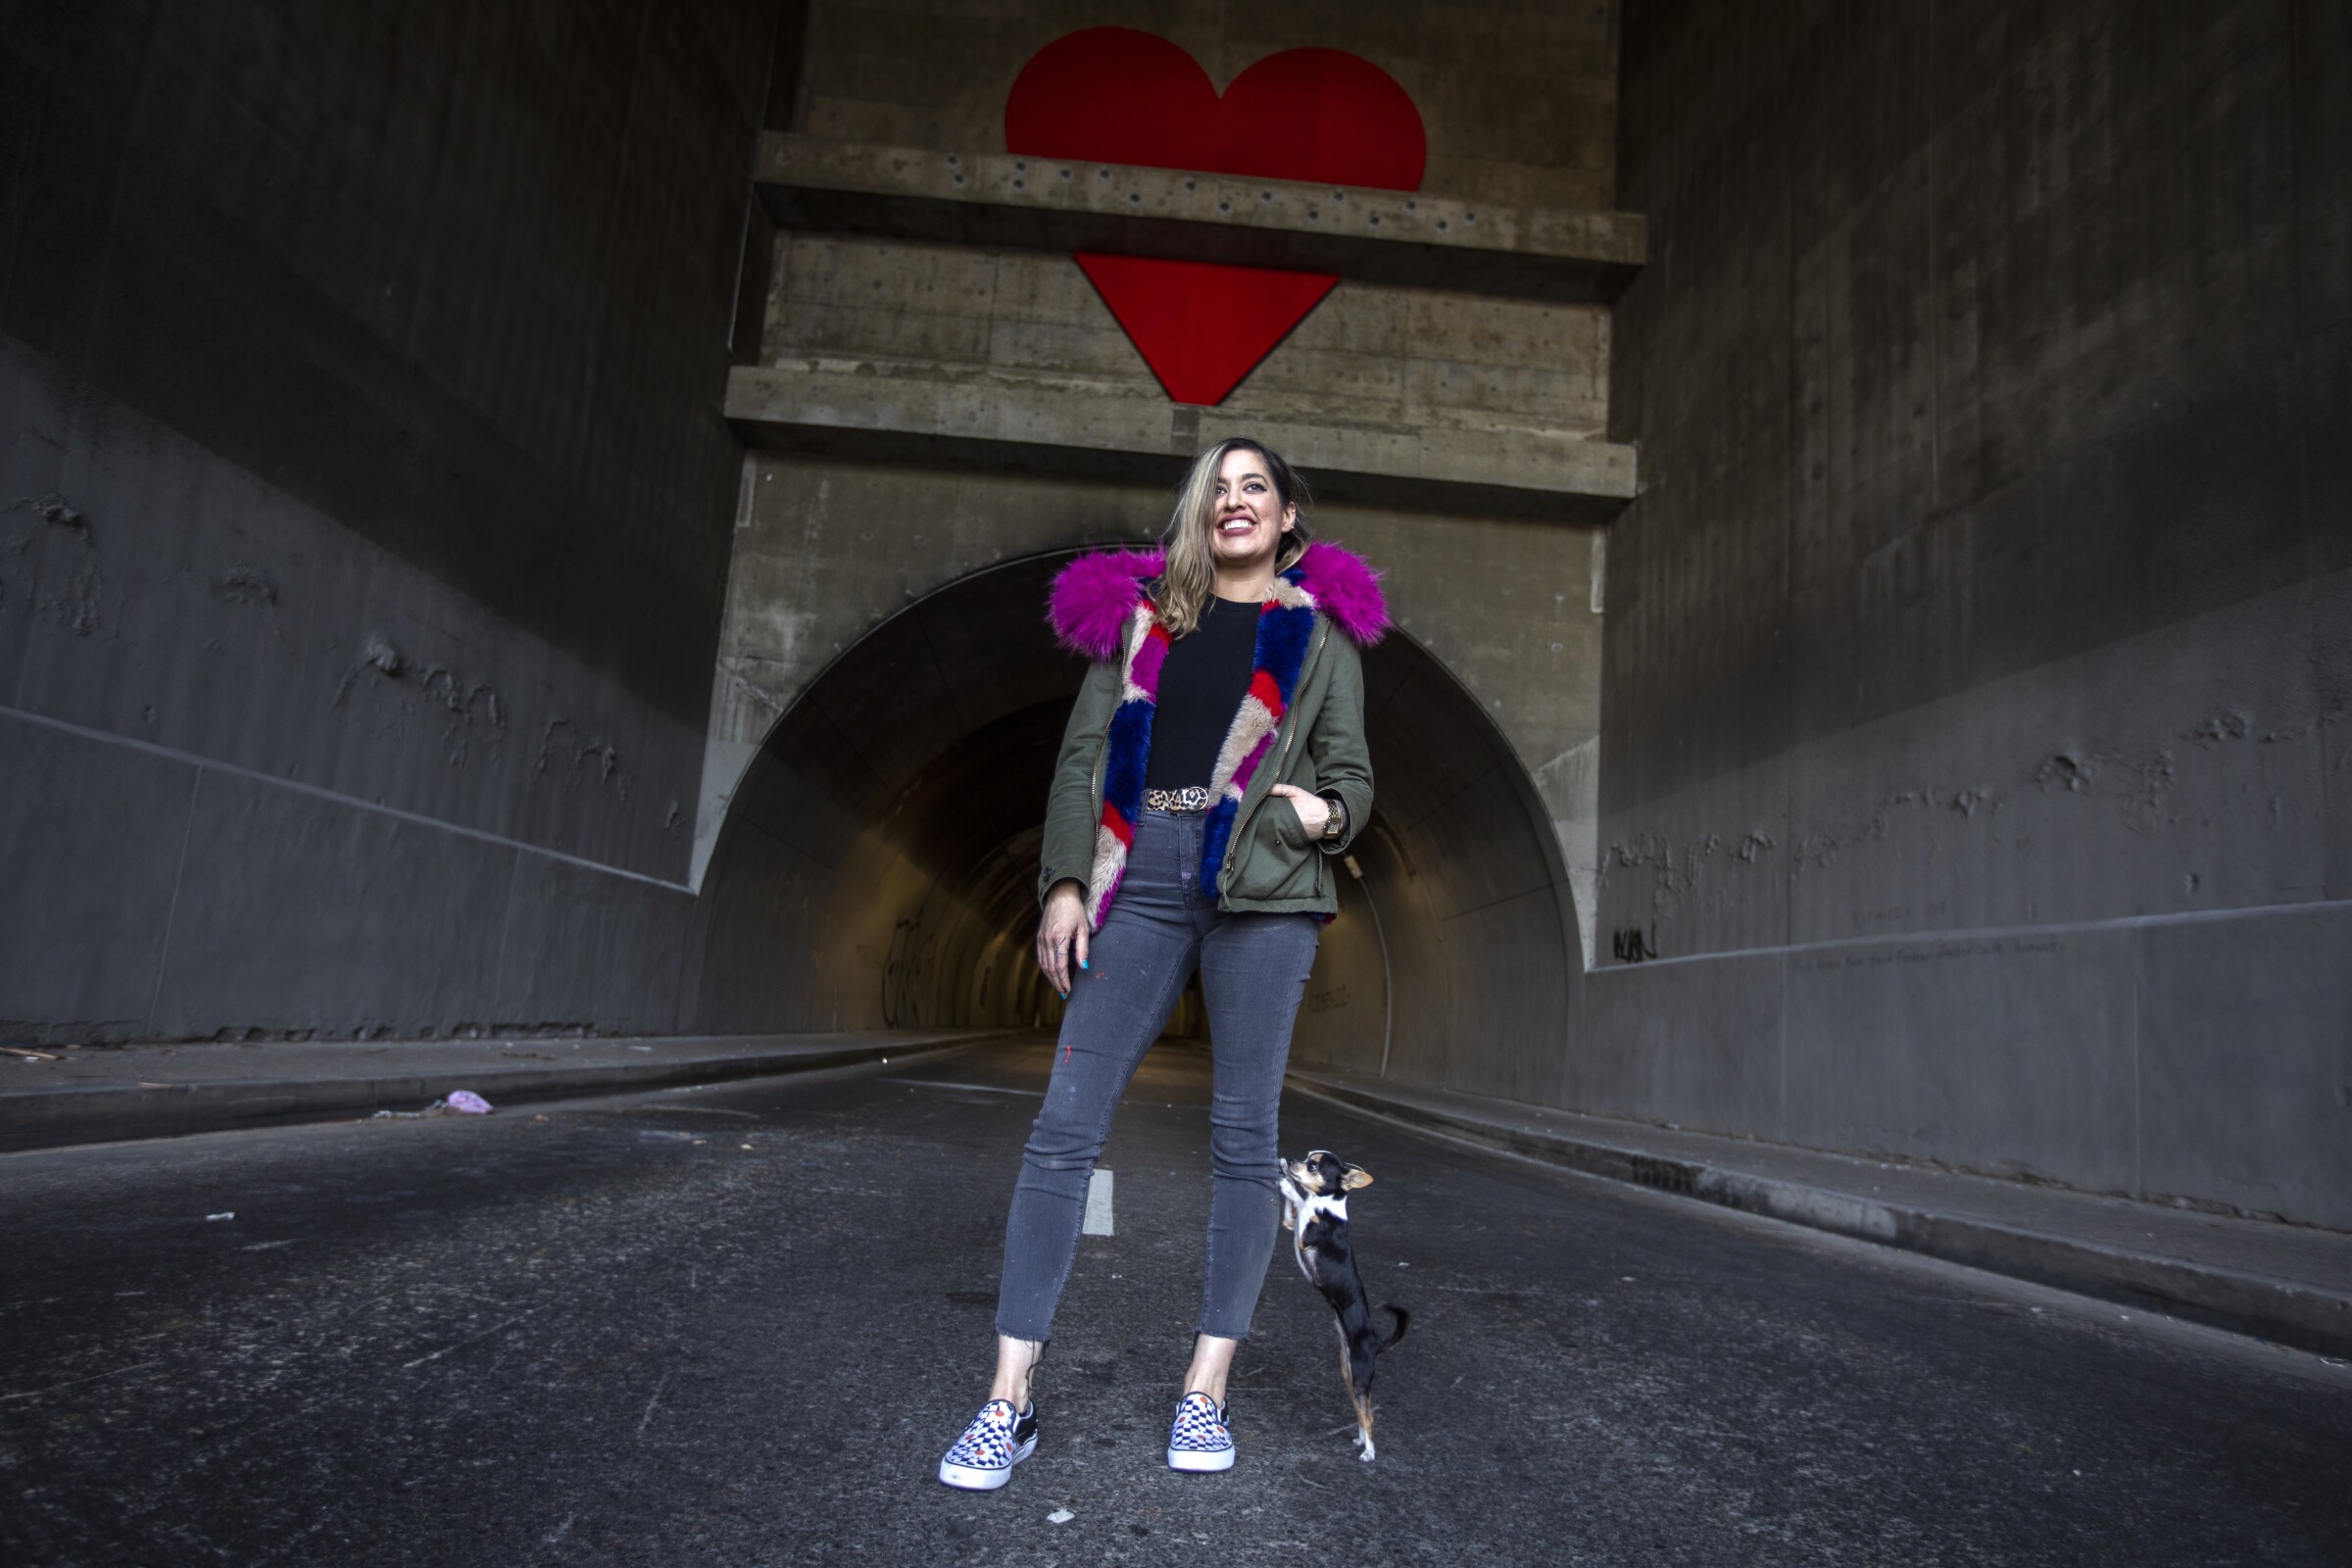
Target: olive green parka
[1302,723]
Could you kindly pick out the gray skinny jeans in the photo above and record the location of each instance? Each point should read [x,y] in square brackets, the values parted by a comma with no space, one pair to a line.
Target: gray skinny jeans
[1253,970]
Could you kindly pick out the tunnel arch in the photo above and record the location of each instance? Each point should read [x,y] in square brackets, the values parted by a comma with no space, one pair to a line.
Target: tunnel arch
[876,867]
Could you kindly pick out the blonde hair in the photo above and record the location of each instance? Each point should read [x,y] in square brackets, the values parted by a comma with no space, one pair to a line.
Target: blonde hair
[1188,574]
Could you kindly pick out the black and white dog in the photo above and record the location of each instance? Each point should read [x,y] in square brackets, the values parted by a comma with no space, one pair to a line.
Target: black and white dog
[1314,1210]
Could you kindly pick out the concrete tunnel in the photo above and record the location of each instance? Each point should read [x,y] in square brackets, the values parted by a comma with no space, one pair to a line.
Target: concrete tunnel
[1852,694]
[524,539]
[877,866]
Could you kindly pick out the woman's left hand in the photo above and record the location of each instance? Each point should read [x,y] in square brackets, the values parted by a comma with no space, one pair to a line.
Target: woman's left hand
[1313,809]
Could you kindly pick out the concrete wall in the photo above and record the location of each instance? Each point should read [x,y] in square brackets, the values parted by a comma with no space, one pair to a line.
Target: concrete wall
[1424,359]
[363,507]
[1977,680]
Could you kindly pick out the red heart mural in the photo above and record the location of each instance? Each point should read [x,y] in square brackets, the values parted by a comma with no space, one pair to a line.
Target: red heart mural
[1114,95]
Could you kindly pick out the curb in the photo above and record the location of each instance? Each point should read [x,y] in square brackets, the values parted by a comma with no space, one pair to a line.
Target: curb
[2269,1308]
[112,1113]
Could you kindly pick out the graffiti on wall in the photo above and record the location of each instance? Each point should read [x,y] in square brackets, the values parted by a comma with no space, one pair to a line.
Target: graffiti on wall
[1631,946]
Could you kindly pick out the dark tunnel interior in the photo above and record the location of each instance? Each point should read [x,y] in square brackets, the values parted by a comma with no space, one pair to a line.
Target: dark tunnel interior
[877,869]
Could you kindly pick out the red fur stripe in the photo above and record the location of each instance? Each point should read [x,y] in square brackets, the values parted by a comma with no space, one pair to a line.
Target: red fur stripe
[1119,826]
[1262,687]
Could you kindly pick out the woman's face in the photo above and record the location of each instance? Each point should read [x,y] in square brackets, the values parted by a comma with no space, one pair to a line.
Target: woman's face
[1248,518]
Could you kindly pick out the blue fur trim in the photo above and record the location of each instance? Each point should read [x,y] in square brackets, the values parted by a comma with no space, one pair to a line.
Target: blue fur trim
[1214,835]
[1127,756]
[1282,636]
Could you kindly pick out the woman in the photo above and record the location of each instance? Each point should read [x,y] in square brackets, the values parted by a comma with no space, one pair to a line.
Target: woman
[1213,763]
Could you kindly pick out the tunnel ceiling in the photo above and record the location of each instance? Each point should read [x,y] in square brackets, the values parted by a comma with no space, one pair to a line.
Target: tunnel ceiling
[879,865]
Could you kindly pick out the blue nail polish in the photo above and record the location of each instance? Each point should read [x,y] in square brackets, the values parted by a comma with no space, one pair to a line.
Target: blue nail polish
[1084,964]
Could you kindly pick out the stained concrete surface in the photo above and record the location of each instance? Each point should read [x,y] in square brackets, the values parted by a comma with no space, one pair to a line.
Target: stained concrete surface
[359,450]
[1971,697]
[620,1335]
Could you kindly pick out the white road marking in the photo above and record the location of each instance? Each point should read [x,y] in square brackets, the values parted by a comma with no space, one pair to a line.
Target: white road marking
[1098,1204]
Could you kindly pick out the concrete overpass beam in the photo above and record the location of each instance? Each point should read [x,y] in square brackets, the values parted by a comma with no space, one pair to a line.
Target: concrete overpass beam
[1421,240]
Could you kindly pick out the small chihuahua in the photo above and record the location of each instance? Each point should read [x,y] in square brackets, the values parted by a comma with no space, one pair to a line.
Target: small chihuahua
[1314,1210]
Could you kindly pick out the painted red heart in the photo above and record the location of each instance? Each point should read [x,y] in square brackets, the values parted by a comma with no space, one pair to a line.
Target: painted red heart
[1116,95]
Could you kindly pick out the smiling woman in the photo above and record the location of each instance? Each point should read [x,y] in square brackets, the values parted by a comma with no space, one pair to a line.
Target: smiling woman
[1254,523]
[1213,765]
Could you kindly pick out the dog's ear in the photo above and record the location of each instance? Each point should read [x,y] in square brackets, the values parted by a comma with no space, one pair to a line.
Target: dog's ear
[1357,1177]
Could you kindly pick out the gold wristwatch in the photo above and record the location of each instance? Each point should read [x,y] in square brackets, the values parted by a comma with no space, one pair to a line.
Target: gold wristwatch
[1337,822]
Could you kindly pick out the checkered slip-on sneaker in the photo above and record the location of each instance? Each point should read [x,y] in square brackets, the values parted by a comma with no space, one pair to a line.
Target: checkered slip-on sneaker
[982,1459]
[1200,1439]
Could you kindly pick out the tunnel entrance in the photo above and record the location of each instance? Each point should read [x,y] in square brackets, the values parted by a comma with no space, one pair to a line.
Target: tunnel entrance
[877,866]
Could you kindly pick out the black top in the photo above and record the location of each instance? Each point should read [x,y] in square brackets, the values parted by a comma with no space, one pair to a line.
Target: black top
[1205,679]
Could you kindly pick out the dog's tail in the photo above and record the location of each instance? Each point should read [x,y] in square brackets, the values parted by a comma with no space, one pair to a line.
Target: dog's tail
[1404,1320]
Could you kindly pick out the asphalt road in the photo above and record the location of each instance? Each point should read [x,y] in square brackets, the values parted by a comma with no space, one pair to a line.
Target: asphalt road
[738,1326]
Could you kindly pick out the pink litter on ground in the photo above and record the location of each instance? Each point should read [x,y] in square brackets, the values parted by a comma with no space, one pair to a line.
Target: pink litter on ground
[468,1103]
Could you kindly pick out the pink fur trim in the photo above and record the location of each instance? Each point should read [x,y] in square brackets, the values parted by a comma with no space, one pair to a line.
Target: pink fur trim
[1094,594]
[1239,786]
[1346,589]
[1092,597]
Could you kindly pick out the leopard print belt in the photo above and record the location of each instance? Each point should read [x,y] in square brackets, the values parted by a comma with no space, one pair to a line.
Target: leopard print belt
[1192,798]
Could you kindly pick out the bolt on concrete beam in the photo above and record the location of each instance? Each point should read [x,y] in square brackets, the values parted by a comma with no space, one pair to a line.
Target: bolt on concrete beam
[1413,238]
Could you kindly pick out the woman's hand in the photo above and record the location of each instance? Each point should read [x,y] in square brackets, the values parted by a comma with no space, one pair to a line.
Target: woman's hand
[1061,933]
[1313,809]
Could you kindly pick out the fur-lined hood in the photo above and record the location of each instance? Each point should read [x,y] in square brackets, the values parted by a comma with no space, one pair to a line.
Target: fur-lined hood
[1095,595]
